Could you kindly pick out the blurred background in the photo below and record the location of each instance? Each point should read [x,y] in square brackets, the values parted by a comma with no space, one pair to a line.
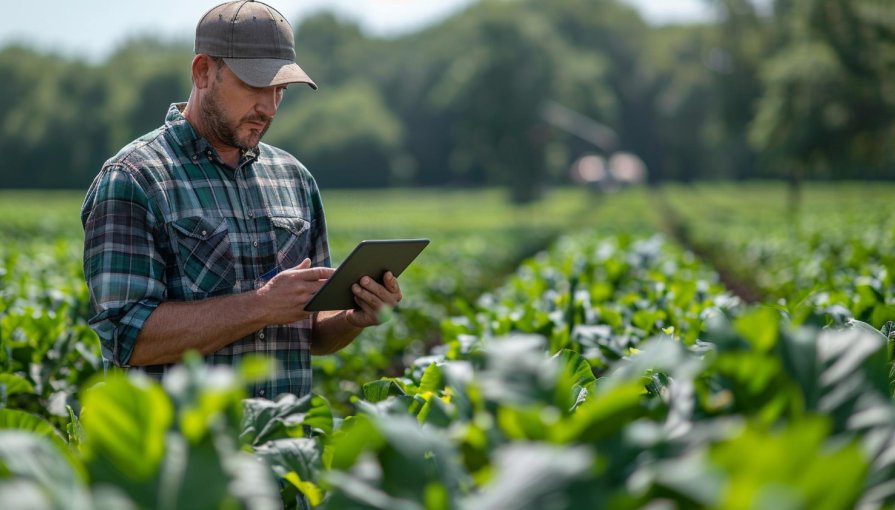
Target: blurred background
[616,177]
[520,94]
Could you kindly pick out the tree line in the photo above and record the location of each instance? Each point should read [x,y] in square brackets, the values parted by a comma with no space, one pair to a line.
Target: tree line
[791,88]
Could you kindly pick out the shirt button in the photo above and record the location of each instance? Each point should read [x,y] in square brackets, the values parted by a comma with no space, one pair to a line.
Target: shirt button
[261,335]
[204,232]
[255,244]
[251,214]
[261,393]
[195,158]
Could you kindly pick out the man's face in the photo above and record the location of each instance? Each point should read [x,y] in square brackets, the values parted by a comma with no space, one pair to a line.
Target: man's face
[236,113]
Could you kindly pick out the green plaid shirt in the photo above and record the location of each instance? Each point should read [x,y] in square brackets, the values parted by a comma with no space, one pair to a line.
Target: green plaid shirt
[165,219]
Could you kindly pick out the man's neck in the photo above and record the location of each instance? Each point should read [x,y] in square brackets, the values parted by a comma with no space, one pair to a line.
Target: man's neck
[229,155]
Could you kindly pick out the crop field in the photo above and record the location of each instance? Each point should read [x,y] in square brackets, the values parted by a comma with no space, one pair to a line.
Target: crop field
[703,346]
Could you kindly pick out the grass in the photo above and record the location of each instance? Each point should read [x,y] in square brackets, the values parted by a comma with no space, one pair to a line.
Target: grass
[36,215]
[407,209]
[418,210]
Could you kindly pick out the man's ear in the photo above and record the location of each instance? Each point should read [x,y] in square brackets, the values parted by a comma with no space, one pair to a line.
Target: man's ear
[203,71]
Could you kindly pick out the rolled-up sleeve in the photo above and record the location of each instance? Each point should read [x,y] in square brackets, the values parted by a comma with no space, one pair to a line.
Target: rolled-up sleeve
[124,270]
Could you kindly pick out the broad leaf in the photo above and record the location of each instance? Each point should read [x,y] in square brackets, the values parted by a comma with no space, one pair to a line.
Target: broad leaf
[431,380]
[299,455]
[377,391]
[576,379]
[12,384]
[535,476]
[27,456]
[602,415]
[265,420]
[20,420]
[760,327]
[356,436]
[125,421]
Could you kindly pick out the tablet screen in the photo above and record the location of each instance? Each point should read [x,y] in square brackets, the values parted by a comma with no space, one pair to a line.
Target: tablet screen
[369,258]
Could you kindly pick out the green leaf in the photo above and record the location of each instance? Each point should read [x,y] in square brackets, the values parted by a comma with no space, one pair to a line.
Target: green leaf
[356,436]
[431,380]
[29,456]
[192,474]
[690,478]
[309,489]
[648,320]
[250,484]
[434,412]
[27,495]
[882,313]
[298,455]
[888,330]
[576,379]
[602,415]
[854,363]
[14,384]
[74,430]
[535,476]
[264,420]
[377,391]
[320,416]
[525,424]
[799,463]
[519,371]
[436,497]
[760,327]
[352,491]
[125,421]
[20,420]
[798,351]
[411,457]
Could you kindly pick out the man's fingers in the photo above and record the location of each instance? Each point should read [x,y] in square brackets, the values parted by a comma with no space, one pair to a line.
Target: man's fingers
[363,294]
[376,294]
[318,273]
[365,307]
[310,273]
[376,290]
[313,273]
[392,284]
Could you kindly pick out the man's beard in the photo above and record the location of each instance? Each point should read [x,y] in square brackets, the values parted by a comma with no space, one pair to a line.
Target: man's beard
[216,121]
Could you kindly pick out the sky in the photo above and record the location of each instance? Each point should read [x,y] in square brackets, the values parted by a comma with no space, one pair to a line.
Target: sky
[92,29]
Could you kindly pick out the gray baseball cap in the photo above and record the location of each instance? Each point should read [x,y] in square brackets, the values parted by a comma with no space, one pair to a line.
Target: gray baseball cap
[255,41]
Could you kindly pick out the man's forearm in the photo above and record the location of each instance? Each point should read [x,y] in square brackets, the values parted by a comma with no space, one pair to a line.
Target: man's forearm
[211,324]
[332,332]
[205,326]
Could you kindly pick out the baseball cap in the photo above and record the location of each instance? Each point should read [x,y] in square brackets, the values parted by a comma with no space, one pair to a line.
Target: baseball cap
[255,41]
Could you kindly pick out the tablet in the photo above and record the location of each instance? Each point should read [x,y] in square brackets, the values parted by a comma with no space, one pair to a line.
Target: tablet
[369,258]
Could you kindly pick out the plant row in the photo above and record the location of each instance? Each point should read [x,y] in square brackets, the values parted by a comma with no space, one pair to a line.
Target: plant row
[834,248]
[609,371]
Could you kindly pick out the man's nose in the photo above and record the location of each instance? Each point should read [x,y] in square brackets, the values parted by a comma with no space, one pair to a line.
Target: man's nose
[267,102]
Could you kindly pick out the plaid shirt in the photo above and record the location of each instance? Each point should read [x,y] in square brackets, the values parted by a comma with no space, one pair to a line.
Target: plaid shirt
[165,219]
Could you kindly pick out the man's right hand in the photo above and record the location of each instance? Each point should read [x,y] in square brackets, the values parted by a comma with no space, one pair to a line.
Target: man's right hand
[208,325]
[287,293]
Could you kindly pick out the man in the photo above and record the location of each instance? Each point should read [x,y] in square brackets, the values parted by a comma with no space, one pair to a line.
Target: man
[199,237]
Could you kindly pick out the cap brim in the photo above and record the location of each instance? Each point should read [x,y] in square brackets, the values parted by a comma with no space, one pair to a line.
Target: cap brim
[266,72]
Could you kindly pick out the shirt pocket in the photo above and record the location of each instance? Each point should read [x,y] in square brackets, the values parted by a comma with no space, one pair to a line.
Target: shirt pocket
[202,244]
[292,236]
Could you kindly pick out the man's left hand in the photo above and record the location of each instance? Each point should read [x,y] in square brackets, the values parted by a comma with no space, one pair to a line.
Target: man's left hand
[373,299]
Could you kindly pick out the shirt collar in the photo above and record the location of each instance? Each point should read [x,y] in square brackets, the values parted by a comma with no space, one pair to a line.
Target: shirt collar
[194,145]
